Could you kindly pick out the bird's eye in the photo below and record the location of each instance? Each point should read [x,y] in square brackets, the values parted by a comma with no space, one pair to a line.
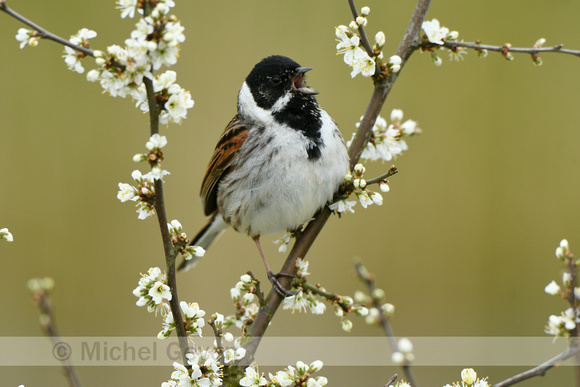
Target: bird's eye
[276,80]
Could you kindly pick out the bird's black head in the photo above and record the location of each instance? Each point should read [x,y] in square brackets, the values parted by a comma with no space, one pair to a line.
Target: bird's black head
[276,76]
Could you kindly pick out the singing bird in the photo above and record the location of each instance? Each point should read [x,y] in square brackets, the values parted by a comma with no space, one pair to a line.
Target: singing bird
[279,160]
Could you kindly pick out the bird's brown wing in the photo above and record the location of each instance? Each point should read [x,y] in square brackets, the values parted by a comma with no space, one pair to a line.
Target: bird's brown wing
[226,149]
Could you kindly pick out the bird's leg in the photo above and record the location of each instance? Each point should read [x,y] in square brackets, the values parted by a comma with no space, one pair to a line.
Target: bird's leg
[271,276]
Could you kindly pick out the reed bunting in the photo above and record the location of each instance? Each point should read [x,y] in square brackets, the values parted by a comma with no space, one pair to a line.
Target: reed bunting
[278,162]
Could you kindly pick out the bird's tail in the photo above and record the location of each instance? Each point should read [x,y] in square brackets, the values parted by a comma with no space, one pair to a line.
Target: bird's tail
[212,230]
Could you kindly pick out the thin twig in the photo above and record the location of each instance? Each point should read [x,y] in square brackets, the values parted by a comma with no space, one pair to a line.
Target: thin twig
[369,280]
[331,297]
[525,50]
[42,300]
[376,180]
[43,33]
[392,380]
[168,248]
[541,369]
[363,36]
[393,170]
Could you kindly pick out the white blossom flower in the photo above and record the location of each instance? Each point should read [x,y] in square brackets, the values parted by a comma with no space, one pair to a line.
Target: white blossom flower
[364,65]
[127,8]
[25,36]
[72,57]
[252,378]
[156,173]
[282,242]
[457,54]
[377,198]
[6,235]
[469,376]
[342,205]
[552,288]
[354,55]
[127,192]
[435,33]
[295,302]
[364,199]
[173,33]
[228,356]
[562,325]
[205,368]
[159,291]
[93,75]
[365,11]
[317,382]
[317,307]
[302,266]
[156,142]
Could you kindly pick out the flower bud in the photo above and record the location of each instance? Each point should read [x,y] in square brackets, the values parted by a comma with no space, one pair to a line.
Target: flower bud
[378,293]
[359,169]
[380,39]
[388,309]
[397,358]
[395,60]
[405,345]
[315,366]
[365,11]
[567,279]
[346,325]
[453,35]
[552,288]
[360,297]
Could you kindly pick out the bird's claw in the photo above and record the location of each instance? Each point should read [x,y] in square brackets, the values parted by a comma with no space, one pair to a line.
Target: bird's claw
[283,292]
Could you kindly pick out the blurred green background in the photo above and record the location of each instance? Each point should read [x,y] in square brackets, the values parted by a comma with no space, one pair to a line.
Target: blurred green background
[463,245]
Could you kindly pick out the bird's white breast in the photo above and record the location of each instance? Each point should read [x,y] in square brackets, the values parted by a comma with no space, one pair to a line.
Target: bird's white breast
[273,185]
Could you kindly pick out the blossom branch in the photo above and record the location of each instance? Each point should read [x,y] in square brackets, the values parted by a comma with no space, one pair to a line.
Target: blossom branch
[40,294]
[168,248]
[525,50]
[377,180]
[361,30]
[331,297]
[43,33]
[392,380]
[541,369]
[363,36]
[369,280]
[382,88]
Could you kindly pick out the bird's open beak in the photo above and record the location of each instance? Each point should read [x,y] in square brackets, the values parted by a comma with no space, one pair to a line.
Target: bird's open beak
[299,83]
